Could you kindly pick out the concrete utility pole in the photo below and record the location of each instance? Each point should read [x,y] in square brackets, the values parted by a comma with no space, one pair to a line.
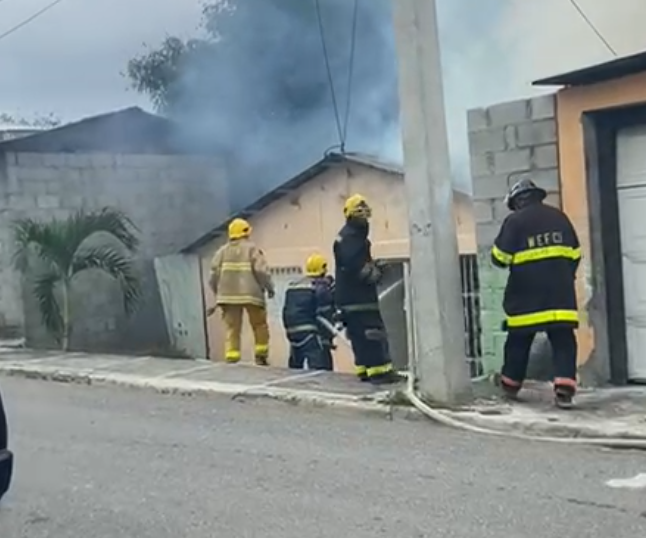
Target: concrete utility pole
[438,325]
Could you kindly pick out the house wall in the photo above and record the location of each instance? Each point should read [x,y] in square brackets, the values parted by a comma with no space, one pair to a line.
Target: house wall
[571,104]
[171,199]
[309,219]
[507,142]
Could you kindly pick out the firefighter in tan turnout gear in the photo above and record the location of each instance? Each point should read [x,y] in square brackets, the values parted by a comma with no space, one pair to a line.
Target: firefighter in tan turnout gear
[539,246]
[239,280]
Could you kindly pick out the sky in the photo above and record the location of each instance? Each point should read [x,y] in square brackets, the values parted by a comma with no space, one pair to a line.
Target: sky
[69,61]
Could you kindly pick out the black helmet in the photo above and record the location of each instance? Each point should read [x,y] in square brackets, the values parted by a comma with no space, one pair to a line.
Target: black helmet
[523,190]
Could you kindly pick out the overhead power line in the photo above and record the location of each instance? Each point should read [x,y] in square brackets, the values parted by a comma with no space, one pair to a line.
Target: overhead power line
[33,17]
[576,6]
[342,128]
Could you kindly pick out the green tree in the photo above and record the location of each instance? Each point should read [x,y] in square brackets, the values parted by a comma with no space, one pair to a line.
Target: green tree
[105,240]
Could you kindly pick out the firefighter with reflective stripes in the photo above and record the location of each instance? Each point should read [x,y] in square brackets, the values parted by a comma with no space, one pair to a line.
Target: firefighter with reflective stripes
[539,246]
[356,296]
[307,299]
[239,280]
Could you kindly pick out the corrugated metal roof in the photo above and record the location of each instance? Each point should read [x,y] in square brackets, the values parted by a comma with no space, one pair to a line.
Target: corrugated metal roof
[620,67]
[330,160]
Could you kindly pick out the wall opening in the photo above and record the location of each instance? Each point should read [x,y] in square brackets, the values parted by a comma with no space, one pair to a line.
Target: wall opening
[470,281]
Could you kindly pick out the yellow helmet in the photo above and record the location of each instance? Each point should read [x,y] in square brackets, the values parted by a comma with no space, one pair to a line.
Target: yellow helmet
[239,228]
[356,206]
[316,265]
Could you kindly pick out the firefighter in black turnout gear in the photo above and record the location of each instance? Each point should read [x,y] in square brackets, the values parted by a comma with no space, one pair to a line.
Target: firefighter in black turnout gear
[307,299]
[6,457]
[357,276]
[539,246]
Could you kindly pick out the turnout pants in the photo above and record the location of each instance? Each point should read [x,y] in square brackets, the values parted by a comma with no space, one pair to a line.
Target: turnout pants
[6,457]
[564,351]
[310,350]
[232,317]
[367,334]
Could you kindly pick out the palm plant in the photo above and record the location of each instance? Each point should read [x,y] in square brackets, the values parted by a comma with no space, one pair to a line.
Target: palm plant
[65,248]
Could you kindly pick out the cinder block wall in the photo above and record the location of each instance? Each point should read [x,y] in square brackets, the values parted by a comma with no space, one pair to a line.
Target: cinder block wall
[171,199]
[507,142]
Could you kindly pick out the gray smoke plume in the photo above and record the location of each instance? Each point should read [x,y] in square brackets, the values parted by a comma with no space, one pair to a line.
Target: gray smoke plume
[273,113]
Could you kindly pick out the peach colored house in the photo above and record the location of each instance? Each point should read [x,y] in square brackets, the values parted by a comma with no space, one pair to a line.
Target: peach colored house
[601,118]
[303,216]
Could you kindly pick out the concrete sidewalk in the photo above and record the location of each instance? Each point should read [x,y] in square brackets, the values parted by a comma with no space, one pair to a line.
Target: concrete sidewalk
[602,413]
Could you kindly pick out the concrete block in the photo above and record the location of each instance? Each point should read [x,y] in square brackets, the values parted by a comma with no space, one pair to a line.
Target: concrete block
[547,179]
[483,211]
[536,133]
[511,137]
[507,162]
[477,119]
[489,187]
[545,156]
[53,159]
[482,142]
[481,164]
[29,159]
[102,160]
[47,201]
[543,107]
[78,160]
[19,202]
[509,113]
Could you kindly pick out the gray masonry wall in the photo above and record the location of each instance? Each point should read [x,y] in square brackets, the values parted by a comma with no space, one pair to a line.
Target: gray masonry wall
[507,142]
[171,199]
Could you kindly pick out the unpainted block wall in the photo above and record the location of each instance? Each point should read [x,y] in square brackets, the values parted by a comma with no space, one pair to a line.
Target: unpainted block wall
[171,199]
[507,142]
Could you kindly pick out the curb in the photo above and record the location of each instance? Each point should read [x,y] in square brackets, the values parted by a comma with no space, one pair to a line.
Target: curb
[375,406]
[236,392]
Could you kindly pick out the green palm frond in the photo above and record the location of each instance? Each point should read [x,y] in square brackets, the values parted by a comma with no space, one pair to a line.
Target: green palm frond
[45,240]
[82,225]
[45,293]
[113,262]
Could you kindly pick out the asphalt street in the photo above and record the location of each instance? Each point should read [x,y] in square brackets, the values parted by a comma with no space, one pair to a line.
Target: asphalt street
[105,463]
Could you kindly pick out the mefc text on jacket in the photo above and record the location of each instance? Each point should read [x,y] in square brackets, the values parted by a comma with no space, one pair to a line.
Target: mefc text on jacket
[540,247]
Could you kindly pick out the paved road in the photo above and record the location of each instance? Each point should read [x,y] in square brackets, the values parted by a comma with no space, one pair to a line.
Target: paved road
[107,463]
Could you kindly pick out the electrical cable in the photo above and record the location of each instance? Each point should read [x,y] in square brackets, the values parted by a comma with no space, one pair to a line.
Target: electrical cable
[353,46]
[326,57]
[592,26]
[33,17]
[342,129]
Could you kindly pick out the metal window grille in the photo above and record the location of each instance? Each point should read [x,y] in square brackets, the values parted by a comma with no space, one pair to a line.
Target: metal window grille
[471,309]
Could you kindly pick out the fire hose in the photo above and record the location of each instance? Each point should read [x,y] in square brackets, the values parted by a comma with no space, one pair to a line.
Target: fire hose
[445,419]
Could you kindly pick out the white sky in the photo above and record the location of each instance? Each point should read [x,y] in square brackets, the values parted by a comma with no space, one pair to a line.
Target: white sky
[69,60]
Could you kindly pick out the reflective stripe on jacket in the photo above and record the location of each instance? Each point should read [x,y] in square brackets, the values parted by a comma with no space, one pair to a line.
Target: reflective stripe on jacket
[239,274]
[540,247]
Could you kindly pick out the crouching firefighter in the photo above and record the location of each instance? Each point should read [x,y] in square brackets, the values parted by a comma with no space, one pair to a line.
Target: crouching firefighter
[307,299]
[6,457]
[539,246]
[356,295]
[239,280]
